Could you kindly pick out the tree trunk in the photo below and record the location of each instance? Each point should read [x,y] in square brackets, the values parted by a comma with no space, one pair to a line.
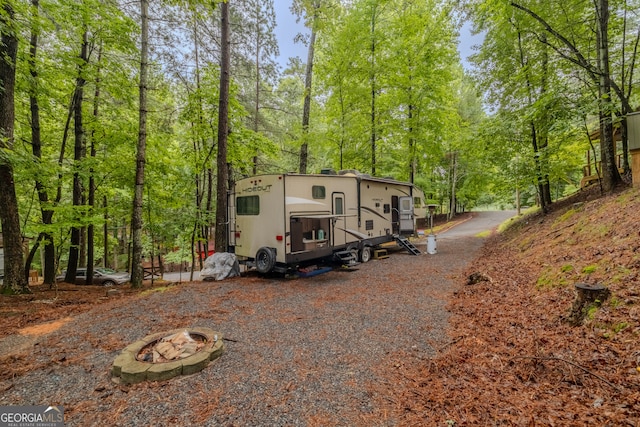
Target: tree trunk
[610,174]
[539,174]
[14,279]
[542,178]
[92,179]
[412,144]
[256,106]
[543,135]
[587,295]
[105,232]
[454,181]
[78,155]
[223,130]
[141,156]
[208,211]
[372,78]
[306,109]
[45,238]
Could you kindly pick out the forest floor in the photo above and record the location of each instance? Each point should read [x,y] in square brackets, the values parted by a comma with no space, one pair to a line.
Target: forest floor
[514,356]
[510,355]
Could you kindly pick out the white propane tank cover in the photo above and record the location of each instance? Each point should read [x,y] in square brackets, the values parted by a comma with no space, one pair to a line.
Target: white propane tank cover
[431,244]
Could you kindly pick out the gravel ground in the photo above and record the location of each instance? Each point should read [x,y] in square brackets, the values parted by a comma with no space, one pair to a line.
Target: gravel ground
[298,352]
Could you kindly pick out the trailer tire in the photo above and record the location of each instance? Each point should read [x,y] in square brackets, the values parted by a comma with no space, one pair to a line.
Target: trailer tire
[365,254]
[265,260]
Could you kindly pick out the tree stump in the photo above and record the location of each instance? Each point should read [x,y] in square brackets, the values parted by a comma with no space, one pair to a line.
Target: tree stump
[587,295]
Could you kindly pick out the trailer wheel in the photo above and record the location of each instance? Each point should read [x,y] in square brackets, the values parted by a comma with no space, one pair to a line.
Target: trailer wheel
[365,254]
[265,260]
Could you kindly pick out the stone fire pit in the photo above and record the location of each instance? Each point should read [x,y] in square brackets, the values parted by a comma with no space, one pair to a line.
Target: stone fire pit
[164,355]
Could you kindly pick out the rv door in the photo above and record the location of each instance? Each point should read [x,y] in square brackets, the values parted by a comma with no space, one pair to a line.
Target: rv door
[231,219]
[405,211]
[339,227]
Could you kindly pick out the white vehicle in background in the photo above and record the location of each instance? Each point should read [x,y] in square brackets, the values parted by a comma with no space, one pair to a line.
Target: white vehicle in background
[101,276]
[283,221]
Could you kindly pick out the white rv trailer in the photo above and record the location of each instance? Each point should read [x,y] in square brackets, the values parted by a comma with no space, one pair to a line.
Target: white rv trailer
[280,221]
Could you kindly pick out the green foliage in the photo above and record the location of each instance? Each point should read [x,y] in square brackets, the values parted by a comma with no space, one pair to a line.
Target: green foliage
[613,329]
[564,217]
[591,310]
[615,302]
[386,72]
[621,274]
[567,268]
[618,327]
[405,54]
[159,289]
[550,279]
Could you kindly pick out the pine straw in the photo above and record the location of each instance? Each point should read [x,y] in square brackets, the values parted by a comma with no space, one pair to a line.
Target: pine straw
[513,359]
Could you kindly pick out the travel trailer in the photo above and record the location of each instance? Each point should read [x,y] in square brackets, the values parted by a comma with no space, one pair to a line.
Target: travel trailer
[282,221]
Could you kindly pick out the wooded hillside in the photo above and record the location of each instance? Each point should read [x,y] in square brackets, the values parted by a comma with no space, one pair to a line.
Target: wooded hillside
[517,353]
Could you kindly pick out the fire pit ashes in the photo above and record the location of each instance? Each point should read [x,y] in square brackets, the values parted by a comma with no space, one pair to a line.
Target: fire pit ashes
[164,355]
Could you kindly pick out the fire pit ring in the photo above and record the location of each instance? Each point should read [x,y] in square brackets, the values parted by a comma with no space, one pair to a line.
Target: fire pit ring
[128,369]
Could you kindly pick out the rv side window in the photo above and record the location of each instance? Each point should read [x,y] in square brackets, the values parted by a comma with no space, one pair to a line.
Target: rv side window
[248,205]
[318,192]
[406,205]
[417,202]
[387,208]
[339,208]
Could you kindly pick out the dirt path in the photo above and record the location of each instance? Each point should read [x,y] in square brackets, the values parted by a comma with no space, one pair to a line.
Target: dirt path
[480,222]
[298,352]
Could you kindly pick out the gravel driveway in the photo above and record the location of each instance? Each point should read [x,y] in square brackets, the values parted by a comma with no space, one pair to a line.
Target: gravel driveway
[298,352]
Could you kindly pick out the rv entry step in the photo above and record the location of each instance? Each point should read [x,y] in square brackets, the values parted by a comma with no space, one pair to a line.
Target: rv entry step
[346,257]
[407,245]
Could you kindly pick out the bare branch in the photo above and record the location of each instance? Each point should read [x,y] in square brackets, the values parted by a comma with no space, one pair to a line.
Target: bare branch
[568,362]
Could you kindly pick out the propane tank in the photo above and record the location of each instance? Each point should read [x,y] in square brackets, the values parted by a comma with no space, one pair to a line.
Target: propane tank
[431,244]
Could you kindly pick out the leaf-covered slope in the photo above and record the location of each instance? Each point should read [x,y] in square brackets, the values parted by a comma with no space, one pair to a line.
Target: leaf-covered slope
[514,358]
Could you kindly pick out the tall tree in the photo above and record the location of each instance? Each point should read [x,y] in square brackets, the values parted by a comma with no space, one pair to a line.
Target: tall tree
[373,80]
[223,131]
[14,279]
[315,14]
[306,108]
[78,157]
[260,48]
[529,86]
[45,237]
[92,178]
[340,73]
[141,156]
[421,73]
[599,73]
[314,22]
[538,134]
